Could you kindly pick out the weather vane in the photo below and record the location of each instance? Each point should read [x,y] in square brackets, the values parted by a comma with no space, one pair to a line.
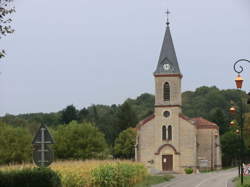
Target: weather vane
[168,12]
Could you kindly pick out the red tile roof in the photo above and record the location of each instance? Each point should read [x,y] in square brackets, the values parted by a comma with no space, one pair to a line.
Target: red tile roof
[202,123]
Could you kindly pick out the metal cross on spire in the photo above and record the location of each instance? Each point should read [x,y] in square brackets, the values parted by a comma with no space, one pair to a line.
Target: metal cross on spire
[168,12]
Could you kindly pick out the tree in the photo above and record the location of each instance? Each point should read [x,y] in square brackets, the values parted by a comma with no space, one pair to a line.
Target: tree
[230,147]
[83,115]
[126,117]
[5,28]
[15,146]
[125,144]
[217,116]
[79,141]
[69,114]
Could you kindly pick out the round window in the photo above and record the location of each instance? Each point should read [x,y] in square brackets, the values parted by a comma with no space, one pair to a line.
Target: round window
[166,114]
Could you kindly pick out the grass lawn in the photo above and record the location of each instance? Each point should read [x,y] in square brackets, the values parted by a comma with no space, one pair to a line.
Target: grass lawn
[246,182]
[154,179]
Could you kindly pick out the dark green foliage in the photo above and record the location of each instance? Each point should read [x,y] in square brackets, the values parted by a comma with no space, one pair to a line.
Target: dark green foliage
[143,105]
[212,104]
[79,141]
[105,118]
[230,146]
[36,177]
[15,146]
[217,116]
[69,114]
[125,144]
[126,117]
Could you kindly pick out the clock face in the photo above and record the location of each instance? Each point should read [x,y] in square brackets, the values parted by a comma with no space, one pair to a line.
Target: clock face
[166,67]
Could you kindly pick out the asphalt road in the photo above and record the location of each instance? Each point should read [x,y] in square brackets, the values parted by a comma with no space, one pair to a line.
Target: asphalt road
[211,179]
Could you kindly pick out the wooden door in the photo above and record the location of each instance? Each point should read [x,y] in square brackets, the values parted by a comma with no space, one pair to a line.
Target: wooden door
[167,162]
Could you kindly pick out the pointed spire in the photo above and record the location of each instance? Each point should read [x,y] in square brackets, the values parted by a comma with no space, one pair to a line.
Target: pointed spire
[168,17]
[167,63]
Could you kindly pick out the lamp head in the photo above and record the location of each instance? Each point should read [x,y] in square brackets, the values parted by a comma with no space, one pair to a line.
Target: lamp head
[239,80]
[232,110]
[232,123]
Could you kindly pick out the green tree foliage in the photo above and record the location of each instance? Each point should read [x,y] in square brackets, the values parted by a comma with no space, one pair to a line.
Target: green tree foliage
[143,105]
[15,146]
[208,101]
[126,117]
[79,141]
[5,10]
[125,144]
[69,114]
[105,118]
[230,146]
[217,116]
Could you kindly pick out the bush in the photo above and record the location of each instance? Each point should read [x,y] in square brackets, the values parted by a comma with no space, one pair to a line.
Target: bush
[125,144]
[38,177]
[188,170]
[15,144]
[79,141]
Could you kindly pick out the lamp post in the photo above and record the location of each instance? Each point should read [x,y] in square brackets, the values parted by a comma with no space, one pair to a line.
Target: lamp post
[239,81]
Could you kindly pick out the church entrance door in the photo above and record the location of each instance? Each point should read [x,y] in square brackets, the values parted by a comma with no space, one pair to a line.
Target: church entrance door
[167,162]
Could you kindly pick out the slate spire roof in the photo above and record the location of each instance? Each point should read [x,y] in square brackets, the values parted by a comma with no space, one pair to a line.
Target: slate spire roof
[167,63]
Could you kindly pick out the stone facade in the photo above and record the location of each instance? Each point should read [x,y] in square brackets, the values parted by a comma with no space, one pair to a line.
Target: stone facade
[168,140]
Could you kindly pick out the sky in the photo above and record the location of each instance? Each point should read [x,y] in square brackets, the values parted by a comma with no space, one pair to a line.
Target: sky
[86,52]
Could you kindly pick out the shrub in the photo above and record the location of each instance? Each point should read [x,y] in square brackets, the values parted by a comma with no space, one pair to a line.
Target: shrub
[188,170]
[125,144]
[38,177]
[15,144]
[79,141]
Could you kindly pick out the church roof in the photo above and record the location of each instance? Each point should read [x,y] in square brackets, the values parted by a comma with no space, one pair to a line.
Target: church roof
[202,123]
[167,57]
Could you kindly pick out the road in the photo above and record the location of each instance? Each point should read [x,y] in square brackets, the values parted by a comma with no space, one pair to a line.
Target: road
[211,179]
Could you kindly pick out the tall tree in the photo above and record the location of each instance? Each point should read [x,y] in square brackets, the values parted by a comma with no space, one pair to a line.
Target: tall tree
[217,116]
[126,117]
[5,28]
[69,114]
[125,144]
[230,147]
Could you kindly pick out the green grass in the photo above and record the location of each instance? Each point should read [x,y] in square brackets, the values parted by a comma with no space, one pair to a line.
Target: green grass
[246,182]
[154,179]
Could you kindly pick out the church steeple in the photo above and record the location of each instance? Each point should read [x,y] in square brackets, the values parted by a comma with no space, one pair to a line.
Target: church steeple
[167,63]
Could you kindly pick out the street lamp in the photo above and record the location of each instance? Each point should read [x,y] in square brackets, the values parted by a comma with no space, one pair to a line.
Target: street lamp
[239,81]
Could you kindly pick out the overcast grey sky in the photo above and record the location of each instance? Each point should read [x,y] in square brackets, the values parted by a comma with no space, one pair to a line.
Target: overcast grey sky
[85,52]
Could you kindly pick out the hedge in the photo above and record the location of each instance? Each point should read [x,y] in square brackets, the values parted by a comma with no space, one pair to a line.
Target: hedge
[37,177]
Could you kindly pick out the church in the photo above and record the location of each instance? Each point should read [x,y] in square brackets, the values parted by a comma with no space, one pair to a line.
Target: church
[168,140]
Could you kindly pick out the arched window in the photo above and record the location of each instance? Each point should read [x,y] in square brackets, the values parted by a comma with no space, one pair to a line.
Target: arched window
[164,132]
[166,92]
[169,132]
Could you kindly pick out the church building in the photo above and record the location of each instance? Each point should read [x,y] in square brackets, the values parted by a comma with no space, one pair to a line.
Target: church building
[169,140]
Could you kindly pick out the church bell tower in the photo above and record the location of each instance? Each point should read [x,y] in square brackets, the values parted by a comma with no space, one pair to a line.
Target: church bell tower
[167,75]
[167,95]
